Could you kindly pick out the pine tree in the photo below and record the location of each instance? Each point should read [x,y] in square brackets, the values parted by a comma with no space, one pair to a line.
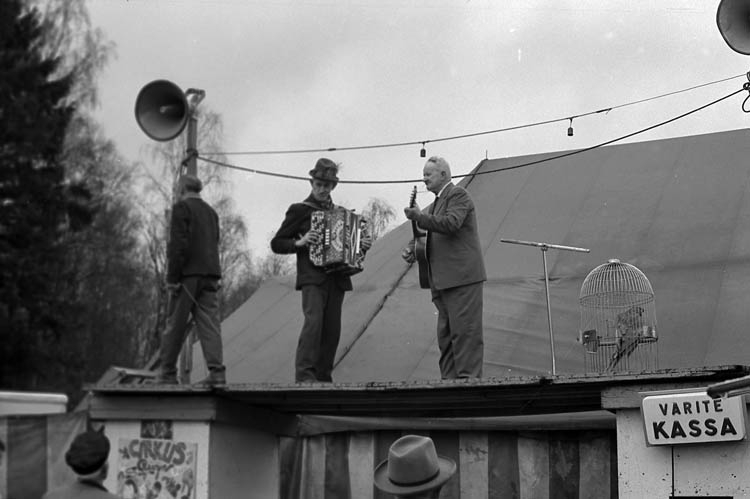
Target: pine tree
[35,205]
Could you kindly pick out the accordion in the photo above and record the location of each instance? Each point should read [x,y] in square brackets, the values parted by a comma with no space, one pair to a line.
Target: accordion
[339,249]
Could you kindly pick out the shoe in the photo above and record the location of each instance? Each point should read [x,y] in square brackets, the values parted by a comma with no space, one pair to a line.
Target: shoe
[214,378]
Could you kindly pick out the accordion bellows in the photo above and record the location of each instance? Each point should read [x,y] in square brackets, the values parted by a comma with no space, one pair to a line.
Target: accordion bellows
[340,249]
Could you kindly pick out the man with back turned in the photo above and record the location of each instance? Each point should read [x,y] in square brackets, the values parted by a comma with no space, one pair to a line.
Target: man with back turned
[193,273]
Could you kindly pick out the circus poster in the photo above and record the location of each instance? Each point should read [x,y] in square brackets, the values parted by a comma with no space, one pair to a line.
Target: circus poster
[150,468]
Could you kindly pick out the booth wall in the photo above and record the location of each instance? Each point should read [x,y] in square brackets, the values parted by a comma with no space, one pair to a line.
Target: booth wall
[693,470]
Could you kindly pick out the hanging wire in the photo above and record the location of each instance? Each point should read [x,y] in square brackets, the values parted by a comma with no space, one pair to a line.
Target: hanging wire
[602,144]
[746,86]
[495,170]
[466,135]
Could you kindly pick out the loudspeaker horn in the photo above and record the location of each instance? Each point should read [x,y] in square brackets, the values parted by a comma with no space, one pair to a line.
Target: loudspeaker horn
[161,110]
[733,20]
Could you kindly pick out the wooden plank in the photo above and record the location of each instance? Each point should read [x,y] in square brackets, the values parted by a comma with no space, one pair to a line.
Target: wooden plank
[595,470]
[435,398]
[564,466]
[148,406]
[236,413]
[313,425]
[533,465]
[629,397]
[446,444]
[290,467]
[474,456]
[361,464]
[337,483]
[503,480]
[313,468]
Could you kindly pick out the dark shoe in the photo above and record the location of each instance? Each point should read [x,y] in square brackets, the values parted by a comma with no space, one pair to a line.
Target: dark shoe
[214,378]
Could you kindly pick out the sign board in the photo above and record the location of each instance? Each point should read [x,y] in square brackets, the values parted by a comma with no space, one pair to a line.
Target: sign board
[689,417]
[156,468]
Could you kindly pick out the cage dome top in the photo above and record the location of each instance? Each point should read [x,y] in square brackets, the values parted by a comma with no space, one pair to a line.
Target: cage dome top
[615,280]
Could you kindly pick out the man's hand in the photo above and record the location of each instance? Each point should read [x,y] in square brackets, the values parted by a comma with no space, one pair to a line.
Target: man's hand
[312,237]
[173,287]
[412,212]
[408,253]
[366,242]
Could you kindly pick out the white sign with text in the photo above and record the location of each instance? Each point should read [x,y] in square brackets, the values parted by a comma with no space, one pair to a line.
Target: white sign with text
[692,417]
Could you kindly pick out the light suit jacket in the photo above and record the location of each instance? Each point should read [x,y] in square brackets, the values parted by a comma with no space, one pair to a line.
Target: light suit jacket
[453,248]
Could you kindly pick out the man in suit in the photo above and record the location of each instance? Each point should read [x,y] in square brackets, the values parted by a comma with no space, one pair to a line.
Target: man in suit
[322,292]
[456,271]
[193,273]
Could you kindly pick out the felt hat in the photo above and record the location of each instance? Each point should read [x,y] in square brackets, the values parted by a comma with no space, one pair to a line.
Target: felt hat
[413,466]
[325,169]
[88,452]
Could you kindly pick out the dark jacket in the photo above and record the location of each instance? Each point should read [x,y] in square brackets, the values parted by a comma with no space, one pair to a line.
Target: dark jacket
[80,490]
[193,248]
[295,225]
[453,247]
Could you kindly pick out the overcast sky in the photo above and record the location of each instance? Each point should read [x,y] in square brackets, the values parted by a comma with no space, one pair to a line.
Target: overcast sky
[315,74]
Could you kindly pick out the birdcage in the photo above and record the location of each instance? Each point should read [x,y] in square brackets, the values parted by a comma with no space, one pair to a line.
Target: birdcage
[618,320]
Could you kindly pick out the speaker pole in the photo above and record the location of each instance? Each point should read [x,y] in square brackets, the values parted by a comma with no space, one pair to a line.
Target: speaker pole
[194,97]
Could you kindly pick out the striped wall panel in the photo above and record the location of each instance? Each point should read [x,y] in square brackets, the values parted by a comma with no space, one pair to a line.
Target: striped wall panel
[35,449]
[491,464]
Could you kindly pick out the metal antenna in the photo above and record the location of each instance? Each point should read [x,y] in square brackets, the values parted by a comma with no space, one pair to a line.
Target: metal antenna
[544,247]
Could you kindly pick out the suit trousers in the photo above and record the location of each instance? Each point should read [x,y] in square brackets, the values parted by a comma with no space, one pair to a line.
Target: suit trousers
[198,295]
[319,338]
[459,330]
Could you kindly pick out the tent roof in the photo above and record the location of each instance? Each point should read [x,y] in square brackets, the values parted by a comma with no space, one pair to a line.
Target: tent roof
[677,209]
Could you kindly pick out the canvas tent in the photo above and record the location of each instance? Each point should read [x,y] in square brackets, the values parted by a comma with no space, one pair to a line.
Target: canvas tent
[677,209]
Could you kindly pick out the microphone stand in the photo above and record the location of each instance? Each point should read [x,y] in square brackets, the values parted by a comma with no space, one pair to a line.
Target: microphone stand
[545,247]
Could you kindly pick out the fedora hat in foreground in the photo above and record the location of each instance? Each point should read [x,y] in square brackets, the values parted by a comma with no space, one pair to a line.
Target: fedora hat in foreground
[413,466]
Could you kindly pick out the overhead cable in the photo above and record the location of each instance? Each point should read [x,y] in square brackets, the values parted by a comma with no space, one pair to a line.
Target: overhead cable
[512,167]
[466,135]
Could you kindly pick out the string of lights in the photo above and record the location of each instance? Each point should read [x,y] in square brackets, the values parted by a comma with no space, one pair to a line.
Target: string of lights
[512,167]
[469,135]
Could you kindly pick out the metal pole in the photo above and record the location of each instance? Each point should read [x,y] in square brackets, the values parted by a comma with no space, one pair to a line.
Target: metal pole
[544,247]
[731,388]
[194,97]
[191,162]
[549,308]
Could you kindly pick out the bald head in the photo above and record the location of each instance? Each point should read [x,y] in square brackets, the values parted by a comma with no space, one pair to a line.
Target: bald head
[436,173]
[441,164]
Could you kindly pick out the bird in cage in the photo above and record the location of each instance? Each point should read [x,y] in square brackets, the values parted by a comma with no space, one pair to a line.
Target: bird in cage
[628,329]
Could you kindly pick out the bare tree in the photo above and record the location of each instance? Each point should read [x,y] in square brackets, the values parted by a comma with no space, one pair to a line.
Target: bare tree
[161,181]
[379,215]
[275,265]
[83,49]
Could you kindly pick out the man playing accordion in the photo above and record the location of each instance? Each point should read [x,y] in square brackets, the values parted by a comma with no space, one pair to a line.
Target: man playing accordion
[322,289]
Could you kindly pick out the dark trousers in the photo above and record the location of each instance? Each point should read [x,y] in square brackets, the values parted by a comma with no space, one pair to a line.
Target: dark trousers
[319,338]
[197,296]
[459,330]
